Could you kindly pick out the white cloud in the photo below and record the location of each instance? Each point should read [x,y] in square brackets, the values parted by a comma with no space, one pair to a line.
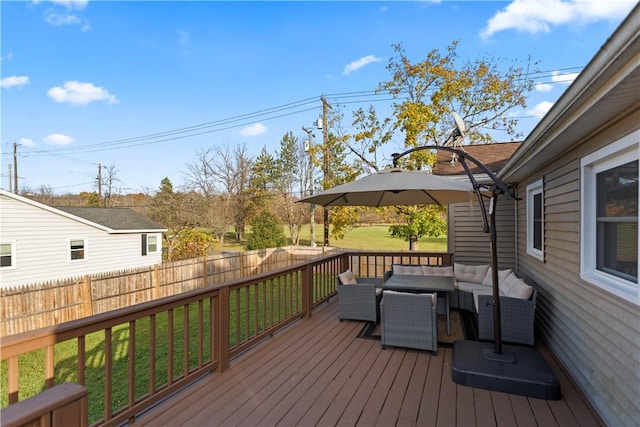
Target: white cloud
[535,16]
[77,93]
[557,77]
[540,109]
[71,4]
[14,81]
[59,19]
[26,142]
[544,87]
[566,78]
[254,130]
[7,57]
[357,64]
[61,13]
[58,139]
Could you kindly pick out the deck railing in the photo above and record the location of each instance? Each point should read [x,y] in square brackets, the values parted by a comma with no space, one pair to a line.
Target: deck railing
[130,359]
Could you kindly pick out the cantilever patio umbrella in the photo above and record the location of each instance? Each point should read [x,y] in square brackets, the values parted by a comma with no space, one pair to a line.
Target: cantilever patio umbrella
[521,370]
[395,187]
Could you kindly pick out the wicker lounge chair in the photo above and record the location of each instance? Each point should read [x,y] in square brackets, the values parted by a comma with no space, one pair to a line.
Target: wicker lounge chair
[409,320]
[360,301]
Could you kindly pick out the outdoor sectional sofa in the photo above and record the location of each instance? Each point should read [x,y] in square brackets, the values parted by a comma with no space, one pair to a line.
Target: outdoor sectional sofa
[474,293]
[359,299]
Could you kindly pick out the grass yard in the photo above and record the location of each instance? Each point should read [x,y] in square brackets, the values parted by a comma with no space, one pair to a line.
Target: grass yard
[364,237]
[31,366]
[269,302]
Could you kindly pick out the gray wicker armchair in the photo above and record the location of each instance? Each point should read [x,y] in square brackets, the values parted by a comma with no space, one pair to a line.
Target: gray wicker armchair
[516,317]
[409,320]
[360,301]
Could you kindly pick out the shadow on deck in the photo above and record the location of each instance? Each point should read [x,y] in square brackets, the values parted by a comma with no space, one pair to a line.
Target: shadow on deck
[318,372]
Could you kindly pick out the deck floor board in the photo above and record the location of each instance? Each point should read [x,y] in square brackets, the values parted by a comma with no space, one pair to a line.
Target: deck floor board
[318,372]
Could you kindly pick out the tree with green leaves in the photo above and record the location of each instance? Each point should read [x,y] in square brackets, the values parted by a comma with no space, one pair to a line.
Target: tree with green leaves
[266,232]
[178,212]
[192,243]
[482,91]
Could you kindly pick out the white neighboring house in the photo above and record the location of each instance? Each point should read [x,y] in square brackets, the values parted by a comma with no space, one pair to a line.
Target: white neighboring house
[41,243]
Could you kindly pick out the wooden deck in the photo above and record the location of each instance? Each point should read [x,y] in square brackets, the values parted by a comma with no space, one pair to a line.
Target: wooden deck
[318,372]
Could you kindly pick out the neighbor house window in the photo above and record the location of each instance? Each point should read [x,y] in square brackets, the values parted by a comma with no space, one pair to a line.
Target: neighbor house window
[609,247]
[77,248]
[7,255]
[535,220]
[149,244]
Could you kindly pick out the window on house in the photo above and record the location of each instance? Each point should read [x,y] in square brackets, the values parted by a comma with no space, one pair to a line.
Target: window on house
[152,242]
[149,244]
[609,248]
[7,255]
[77,249]
[535,220]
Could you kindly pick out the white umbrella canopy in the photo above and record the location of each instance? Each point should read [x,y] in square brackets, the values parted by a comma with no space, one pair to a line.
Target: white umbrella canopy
[395,187]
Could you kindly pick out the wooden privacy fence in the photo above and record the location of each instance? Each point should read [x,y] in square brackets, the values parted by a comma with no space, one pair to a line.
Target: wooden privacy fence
[131,358]
[30,307]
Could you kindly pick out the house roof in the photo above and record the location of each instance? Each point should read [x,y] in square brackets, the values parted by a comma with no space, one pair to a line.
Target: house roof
[494,156]
[114,218]
[111,220]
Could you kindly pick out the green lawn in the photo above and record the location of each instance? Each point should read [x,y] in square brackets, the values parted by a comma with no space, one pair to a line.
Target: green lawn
[374,237]
[32,365]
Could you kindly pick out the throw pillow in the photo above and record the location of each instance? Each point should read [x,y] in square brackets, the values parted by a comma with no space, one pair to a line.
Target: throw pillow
[470,273]
[347,278]
[515,287]
[502,275]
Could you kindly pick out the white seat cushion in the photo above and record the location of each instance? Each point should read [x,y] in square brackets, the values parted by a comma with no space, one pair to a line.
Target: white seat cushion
[515,287]
[429,270]
[470,287]
[409,270]
[502,275]
[470,273]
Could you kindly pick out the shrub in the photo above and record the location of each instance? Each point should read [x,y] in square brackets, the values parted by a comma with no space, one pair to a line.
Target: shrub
[266,232]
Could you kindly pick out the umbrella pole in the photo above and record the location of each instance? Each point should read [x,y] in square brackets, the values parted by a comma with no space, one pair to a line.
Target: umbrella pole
[497,323]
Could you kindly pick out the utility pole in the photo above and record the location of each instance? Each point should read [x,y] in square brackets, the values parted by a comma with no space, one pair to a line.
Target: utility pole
[10,175]
[15,168]
[99,184]
[312,206]
[325,164]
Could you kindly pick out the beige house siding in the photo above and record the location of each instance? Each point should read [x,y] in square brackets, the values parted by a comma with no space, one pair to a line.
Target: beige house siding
[595,334]
[470,245]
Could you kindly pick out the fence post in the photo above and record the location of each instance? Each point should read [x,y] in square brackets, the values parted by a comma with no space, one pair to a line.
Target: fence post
[204,272]
[222,327]
[85,295]
[156,281]
[241,263]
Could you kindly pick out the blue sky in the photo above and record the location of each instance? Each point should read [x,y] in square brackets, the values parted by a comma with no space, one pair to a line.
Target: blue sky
[144,85]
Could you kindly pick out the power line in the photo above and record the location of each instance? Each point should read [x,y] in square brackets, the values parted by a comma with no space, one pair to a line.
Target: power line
[267,114]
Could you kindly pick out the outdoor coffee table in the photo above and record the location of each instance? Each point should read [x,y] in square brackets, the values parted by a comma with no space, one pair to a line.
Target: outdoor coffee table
[421,284]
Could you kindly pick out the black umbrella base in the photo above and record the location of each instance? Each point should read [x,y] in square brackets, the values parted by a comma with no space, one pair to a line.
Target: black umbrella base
[517,370]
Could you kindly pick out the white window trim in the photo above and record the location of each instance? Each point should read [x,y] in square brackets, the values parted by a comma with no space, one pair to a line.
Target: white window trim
[534,189]
[158,243]
[620,152]
[14,260]
[86,250]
